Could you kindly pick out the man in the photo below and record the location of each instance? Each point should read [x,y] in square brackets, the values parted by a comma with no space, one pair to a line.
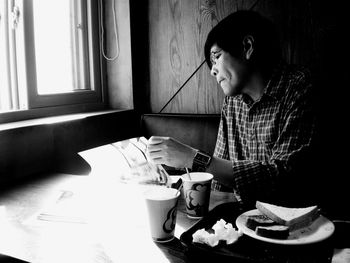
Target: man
[266,130]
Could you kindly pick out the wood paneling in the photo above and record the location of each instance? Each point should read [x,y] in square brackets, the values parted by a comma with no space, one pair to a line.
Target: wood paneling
[118,44]
[178,30]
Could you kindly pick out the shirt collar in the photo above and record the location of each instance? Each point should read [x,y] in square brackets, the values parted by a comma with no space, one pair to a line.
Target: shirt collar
[274,85]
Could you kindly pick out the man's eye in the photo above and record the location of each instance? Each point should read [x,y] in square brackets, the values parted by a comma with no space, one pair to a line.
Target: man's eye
[214,57]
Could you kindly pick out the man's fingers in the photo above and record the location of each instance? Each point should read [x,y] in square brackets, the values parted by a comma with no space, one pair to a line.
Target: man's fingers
[154,148]
[155,140]
[156,158]
[155,154]
[158,161]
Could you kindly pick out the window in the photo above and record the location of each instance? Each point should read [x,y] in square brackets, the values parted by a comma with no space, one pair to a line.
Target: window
[49,56]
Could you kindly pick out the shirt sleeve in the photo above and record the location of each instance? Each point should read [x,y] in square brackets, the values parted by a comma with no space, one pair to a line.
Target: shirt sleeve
[279,176]
[221,147]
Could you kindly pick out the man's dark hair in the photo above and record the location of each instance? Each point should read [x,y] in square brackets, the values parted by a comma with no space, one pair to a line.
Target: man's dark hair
[229,33]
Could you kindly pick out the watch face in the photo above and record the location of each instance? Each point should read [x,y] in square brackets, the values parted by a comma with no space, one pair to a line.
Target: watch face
[200,162]
[202,158]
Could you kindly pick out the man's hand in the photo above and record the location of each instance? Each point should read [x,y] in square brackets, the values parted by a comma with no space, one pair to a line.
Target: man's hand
[168,151]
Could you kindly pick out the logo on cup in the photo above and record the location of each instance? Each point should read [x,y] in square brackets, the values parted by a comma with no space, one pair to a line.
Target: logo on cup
[169,224]
[193,200]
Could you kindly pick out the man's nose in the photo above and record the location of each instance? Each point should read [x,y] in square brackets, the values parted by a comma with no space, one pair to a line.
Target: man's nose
[213,71]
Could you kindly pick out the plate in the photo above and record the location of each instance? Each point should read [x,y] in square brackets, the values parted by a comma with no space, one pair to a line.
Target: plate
[246,248]
[319,230]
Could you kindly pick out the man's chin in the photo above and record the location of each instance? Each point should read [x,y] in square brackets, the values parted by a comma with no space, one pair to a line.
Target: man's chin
[228,92]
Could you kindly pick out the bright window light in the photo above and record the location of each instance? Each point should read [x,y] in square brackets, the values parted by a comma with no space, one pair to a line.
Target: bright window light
[54,31]
[49,58]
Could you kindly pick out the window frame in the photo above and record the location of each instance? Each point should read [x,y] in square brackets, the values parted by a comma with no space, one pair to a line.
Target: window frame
[36,105]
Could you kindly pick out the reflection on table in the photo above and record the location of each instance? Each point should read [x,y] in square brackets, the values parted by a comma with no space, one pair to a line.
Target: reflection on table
[92,218]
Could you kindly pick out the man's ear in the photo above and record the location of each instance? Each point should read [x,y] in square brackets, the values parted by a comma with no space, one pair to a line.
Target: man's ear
[248,46]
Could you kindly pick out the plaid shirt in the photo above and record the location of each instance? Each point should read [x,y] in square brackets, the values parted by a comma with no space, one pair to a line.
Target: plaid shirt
[262,138]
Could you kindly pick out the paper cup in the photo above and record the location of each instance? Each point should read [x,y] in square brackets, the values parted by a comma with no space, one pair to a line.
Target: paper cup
[197,193]
[162,209]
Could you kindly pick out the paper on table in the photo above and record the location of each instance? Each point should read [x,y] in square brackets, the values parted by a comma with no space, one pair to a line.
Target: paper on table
[68,208]
[63,206]
[127,160]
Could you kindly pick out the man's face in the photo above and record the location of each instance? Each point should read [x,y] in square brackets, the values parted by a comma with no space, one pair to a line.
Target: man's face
[230,72]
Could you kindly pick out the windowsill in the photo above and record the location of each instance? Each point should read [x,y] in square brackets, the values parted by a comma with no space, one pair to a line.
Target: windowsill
[54,119]
[36,146]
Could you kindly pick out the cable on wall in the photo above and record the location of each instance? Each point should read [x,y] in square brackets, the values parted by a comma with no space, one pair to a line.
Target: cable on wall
[115,28]
[183,85]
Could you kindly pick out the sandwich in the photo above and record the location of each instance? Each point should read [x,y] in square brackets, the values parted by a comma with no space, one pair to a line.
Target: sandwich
[294,218]
[277,221]
[274,231]
[254,221]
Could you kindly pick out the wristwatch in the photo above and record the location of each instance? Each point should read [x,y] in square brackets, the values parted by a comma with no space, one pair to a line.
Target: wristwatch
[201,161]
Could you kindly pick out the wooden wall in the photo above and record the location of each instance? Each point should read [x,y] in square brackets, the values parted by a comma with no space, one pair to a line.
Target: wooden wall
[118,44]
[177,32]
